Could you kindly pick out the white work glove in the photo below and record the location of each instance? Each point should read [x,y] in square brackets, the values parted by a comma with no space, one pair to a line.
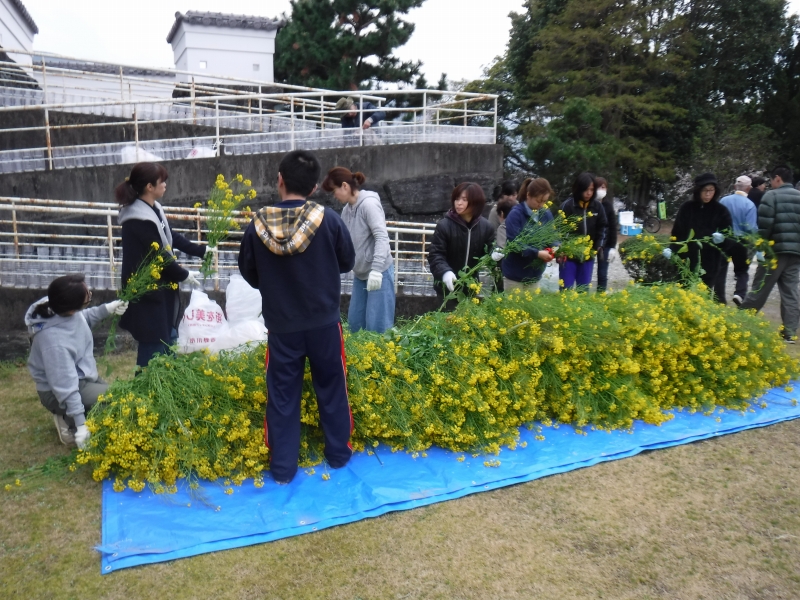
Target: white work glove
[760,256]
[497,255]
[612,254]
[193,278]
[374,281]
[82,436]
[449,280]
[717,237]
[117,307]
[667,253]
[212,250]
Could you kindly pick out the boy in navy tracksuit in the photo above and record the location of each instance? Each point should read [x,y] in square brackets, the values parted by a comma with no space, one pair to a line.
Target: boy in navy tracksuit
[293,253]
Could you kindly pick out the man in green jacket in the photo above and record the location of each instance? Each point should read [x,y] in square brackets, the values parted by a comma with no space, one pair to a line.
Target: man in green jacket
[779,223]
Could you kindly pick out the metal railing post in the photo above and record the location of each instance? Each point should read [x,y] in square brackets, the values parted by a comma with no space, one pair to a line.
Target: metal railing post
[494,124]
[136,130]
[260,113]
[361,120]
[111,267]
[465,113]
[216,111]
[193,103]
[46,116]
[396,259]
[322,111]
[424,105]
[291,117]
[14,226]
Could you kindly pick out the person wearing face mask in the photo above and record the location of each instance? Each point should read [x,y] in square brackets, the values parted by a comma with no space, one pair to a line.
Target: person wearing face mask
[610,245]
[705,217]
[592,221]
[460,239]
[522,269]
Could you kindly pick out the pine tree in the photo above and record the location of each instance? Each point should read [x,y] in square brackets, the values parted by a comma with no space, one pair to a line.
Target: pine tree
[345,44]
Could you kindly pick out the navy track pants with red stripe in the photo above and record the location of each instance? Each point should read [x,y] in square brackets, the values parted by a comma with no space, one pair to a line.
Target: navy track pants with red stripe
[285,365]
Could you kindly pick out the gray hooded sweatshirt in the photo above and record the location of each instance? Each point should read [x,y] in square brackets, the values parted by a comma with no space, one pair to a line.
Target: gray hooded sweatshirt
[367,226]
[62,353]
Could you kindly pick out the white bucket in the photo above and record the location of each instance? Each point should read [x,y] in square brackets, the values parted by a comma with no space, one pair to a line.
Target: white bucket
[626,217]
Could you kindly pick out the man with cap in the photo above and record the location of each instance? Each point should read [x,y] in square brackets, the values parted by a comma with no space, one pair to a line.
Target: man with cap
[757,191]
[779,223]
[370,113]
[743,217]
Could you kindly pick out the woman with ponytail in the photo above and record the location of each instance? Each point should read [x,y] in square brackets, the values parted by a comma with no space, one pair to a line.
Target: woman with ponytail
[61,360]
[372,301]
[153,320]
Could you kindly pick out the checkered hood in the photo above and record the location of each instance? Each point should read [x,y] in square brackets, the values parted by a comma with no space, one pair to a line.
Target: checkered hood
[288,231]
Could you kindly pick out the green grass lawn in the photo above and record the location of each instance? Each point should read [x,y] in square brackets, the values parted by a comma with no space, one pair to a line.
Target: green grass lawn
[714,519]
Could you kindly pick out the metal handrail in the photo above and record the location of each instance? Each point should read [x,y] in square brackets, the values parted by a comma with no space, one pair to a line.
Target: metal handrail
[408,240]
[219,106]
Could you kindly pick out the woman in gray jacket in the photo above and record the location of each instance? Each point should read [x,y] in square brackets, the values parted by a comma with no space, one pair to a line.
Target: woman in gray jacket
[62,361]
[372,300]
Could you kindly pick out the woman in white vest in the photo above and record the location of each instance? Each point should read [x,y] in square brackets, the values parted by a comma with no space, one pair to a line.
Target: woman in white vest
[152,320]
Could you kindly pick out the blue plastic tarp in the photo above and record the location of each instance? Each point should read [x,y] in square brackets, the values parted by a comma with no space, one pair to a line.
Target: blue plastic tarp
[143,528]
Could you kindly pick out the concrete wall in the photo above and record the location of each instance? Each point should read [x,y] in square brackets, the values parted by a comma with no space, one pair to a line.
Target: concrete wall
[14,343]
[88,135]
[414,181]
[225,51]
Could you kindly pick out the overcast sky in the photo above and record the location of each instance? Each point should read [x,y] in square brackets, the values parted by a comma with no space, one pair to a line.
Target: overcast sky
[457,37]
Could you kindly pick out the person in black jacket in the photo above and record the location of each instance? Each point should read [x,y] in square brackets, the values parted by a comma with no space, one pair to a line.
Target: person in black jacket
[610,245]
[294,253]
[370,114]
[758,190]
[584,204]
[704,216]
[460,239]
[152,320]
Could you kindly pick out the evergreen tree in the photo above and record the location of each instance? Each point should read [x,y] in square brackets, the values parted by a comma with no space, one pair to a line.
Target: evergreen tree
[573,142]
[345,44]
[625,57]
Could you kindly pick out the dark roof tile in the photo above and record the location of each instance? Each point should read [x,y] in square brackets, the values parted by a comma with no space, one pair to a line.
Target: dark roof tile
[25,15]
[93,67]
[214,19]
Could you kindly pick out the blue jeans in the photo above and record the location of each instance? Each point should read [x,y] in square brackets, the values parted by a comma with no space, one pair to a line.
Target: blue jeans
[373,311]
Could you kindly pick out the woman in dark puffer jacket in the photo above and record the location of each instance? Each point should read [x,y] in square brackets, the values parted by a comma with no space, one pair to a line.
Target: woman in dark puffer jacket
[460,239]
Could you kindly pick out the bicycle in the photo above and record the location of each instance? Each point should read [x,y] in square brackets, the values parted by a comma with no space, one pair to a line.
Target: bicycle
[642,213]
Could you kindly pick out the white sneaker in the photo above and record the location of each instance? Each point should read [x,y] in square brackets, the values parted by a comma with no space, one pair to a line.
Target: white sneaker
[737,299]
[64,434]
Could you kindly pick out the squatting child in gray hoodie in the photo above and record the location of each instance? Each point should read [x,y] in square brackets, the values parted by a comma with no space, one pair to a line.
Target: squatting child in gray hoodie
[62,361]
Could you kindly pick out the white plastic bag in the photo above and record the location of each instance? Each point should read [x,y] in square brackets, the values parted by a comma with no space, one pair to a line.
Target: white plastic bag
[203,325]
[202,152]
[245,323]
[129,154]
[549,281]
[242,302]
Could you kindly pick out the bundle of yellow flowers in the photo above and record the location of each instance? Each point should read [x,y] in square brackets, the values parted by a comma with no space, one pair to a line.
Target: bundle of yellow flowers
[147,278]
[224,204]
[465,381]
